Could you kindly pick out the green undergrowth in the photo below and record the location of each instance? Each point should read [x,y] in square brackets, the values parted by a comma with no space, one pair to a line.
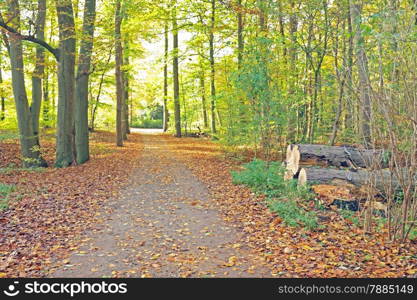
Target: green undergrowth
[285,198]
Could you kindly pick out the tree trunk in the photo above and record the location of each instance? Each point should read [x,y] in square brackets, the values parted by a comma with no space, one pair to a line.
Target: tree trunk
[203,98]
[82,81]
[46,100]
[165,122]
[119,77]
[341,80]
[2,92]
[379,179]
[125,74]
[177,107]
[212,68]
[29,143]
[240,39]
[362,64]
[292,117]
[66,84]
[349,79]
[38,73]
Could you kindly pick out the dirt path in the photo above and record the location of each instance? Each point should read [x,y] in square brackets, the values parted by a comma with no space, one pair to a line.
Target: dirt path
[162,225]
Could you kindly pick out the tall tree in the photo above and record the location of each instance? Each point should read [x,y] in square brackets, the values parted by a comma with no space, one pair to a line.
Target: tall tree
[177,108]
[29,143]
[38,73]
[126,81]
[82,83]
[240,39]
[203,96]
[212,67]
[120,131]
[2,92]
[66,83]
[363,70]
[166,40]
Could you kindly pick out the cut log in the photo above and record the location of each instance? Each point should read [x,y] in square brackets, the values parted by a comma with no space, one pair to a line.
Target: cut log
[380,179]
[302,178]
[292,162]
[338,156]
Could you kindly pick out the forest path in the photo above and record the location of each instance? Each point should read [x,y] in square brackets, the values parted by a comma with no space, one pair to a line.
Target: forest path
[162,225]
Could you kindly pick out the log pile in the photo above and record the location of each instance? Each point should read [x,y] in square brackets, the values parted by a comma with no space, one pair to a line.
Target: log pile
[305,163]
[339,166]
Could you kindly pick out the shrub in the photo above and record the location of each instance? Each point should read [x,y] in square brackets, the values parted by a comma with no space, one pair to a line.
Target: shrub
[147,123]
[292,214]
[268,179]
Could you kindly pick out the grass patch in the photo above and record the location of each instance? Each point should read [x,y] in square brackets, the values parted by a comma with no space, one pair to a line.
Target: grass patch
[5,191]
[283,196]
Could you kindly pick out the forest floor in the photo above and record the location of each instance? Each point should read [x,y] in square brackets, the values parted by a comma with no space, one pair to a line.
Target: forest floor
[167,207]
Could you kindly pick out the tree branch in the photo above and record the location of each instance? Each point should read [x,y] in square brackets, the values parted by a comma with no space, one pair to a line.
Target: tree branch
[30,38]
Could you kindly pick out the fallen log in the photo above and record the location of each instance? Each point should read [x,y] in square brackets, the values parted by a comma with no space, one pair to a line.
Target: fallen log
[338,156]
[379,179]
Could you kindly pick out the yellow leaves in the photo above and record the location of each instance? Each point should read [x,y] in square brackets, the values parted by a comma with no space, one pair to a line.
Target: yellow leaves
[306,247]
[155,256]
[236,246]
[231,262]
[3,275]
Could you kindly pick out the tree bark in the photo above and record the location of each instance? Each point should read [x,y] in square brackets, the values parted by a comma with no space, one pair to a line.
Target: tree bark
[38,73]
[119,77]
[82,83]
[66,84]
[29,143]
[212,67]
[341,156]
[380,179]
[177,107]
[2,92]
